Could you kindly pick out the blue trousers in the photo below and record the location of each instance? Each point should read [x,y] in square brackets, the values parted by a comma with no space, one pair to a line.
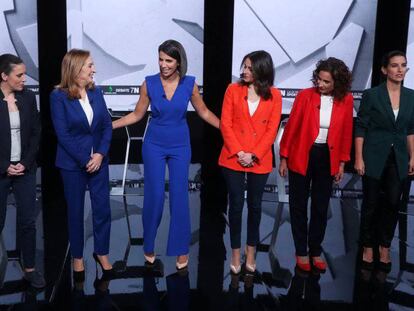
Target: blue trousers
[235,181]
[24,190]
[155,158]
[75,183]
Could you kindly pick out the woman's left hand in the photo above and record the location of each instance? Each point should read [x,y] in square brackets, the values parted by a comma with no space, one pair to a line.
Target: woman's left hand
[246,159]
[94,163]
[340,174]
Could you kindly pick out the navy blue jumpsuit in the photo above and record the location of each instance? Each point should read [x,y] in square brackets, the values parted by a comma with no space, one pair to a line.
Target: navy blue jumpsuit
[167,141]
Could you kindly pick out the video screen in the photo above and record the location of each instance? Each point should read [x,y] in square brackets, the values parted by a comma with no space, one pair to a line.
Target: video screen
[123,37]
[18,36]
[299,33]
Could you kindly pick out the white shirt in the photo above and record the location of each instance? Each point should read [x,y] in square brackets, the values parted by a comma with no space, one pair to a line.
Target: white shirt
[253,106]
[324,118]
[396,113]
[15,151]
[87,108]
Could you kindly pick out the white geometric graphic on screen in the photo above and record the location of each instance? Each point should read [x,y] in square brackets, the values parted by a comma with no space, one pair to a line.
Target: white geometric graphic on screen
[131,31]
[301,26]
[346,44]
[6,45]
[248,27]
[28,34]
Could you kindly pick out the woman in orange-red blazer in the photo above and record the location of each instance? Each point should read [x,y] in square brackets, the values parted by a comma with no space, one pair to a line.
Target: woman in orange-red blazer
[315,145]
[249,122]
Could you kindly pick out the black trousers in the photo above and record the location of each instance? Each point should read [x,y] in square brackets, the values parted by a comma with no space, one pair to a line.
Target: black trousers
[380,204]
[317,183]
[24,190]
[235,185]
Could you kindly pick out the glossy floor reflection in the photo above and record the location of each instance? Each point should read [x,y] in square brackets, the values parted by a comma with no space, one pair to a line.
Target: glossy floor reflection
[207,284]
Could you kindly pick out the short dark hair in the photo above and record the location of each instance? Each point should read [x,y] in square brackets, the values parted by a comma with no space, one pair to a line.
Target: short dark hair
[263,72]
[340,73]
[7,62]
[175,50]
[385,61]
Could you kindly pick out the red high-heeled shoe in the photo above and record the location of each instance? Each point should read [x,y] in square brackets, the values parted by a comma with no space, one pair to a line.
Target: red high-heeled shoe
[304,266]
[319,264]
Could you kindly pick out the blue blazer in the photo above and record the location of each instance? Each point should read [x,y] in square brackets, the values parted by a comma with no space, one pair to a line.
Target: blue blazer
[75,137]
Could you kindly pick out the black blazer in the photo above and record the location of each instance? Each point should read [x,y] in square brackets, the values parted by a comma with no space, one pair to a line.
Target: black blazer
[377,125]
[29,130]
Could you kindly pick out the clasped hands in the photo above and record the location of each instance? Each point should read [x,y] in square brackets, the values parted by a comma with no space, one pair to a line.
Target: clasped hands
[245,159]
[94,163]
[15,169]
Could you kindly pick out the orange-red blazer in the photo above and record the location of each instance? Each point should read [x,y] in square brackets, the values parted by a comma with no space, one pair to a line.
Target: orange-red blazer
[302,129]
[242,132]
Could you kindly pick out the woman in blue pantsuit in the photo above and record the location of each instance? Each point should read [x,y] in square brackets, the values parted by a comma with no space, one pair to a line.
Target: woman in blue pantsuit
[167,142]
[84,131]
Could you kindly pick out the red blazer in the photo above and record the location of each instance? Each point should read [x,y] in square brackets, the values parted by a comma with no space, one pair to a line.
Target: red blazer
[302,129]
[254,134]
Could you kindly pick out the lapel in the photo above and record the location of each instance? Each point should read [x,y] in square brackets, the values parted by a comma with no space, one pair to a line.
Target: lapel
[92,102]
[336,108]
[385,102]
[404,105]
[315,105]
[4,115]
[245,106]
[75,103]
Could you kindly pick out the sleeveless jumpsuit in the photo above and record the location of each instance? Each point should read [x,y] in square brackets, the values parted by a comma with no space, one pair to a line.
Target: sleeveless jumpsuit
[167,142]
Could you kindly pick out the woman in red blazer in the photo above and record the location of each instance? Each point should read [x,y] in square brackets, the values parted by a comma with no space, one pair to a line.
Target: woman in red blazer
[315,145]
[249,122]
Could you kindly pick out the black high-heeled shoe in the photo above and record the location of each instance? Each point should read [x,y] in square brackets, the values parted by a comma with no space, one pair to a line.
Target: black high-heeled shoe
[384,266]
[107,274]
[78,276]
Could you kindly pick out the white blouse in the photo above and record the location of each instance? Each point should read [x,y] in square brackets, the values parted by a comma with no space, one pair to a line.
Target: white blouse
[87,108]
[325,118]
[253,106]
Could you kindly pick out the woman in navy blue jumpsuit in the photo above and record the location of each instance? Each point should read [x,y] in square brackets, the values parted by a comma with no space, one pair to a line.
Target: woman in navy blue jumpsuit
[167,142]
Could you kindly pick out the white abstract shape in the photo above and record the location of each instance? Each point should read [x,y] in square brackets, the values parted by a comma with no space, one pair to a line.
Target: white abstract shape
[299,80]
[123,80]
[6,45]
[28,35]
[369,80]
[74,29]
[287,104]
[346,44]
[134,38]
[247,27]
[301,26]
[409,78]
[31,81]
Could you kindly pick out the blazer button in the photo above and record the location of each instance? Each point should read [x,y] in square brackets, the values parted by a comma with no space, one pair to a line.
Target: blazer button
[331,147]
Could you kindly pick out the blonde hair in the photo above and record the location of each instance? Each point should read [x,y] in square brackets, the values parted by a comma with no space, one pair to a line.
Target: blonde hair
[72,64]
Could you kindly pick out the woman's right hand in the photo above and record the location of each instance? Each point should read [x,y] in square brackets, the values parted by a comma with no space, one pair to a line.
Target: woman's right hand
[283,168]
[359,166]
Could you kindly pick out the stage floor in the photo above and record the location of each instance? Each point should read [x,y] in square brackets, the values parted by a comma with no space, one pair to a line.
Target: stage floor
[208,284]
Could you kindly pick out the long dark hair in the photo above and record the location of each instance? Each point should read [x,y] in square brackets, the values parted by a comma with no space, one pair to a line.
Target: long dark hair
[7,62]
[340,73]
[263,73]
[175,50]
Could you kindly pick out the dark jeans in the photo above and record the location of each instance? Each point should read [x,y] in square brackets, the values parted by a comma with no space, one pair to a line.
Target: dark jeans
[319,175]
[381,199]
[24,190]
[235,185]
